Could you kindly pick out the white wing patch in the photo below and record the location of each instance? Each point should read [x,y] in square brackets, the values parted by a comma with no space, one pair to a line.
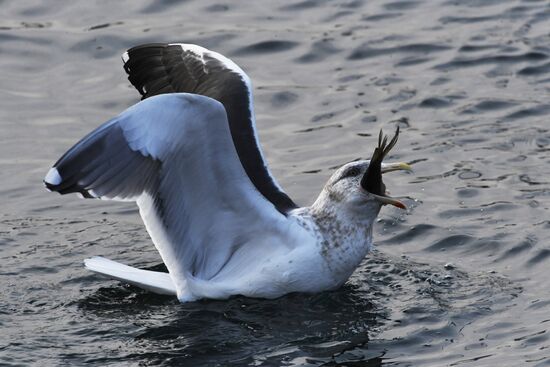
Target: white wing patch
[53,177]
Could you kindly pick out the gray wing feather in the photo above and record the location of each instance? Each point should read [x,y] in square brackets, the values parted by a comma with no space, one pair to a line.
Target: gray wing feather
[158,68]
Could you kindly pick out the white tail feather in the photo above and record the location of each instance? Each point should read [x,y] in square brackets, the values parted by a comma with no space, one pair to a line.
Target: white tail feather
[153,281]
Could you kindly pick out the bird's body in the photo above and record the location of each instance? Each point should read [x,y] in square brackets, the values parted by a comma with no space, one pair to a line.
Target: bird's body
[189,157]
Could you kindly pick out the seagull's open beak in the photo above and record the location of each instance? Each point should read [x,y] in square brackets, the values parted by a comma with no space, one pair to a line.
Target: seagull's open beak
[372,179]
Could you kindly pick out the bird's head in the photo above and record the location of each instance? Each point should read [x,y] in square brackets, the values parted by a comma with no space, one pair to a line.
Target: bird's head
[357,187]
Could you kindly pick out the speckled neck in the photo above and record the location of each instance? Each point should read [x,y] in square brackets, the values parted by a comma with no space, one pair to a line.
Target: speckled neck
[343,238]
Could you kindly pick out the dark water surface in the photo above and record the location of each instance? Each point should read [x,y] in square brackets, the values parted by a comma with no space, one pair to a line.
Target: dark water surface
[461,279]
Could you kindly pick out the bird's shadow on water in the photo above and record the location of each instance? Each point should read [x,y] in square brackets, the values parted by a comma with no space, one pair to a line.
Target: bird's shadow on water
[312,328]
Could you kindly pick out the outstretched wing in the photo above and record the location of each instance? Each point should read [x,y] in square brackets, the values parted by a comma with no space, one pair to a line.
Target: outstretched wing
[173,154]
[160,68]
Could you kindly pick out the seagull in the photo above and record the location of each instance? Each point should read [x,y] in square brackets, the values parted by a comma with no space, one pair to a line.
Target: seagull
[189,156]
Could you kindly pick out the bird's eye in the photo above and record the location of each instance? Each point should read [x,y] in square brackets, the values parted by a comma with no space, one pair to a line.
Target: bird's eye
[354,171]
